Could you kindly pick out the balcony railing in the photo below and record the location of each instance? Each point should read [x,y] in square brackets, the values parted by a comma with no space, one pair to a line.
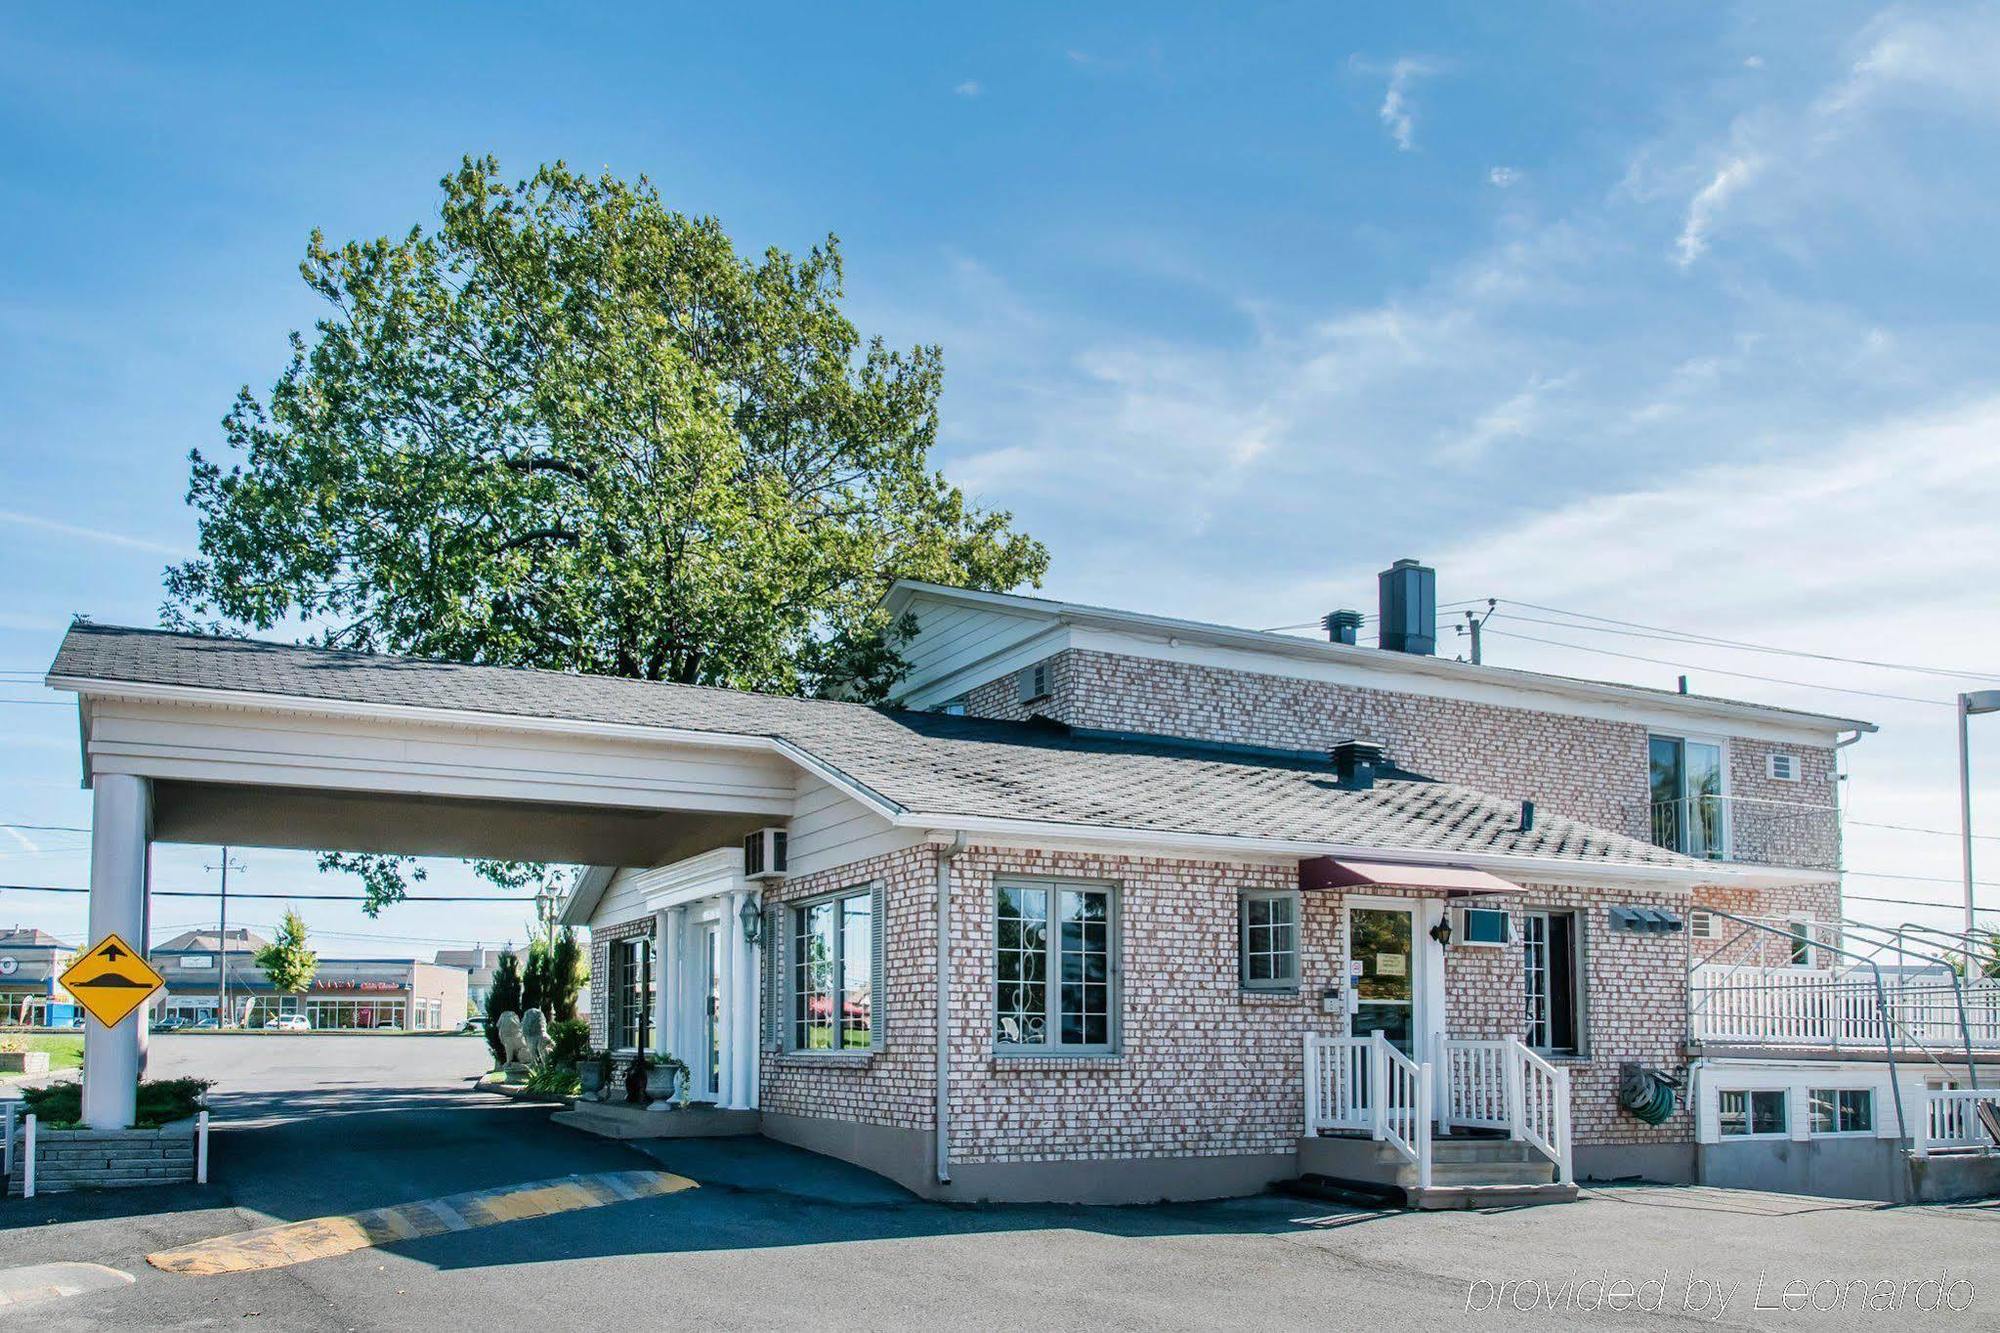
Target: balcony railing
[1749,828]
[1807,1008]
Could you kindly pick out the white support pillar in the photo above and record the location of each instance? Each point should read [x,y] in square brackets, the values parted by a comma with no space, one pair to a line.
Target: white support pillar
[120,834]
[666,967]
[743,1023]
[725,987]
[753,1018]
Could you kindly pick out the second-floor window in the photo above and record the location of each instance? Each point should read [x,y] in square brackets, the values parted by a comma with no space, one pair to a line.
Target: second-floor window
[1687,797]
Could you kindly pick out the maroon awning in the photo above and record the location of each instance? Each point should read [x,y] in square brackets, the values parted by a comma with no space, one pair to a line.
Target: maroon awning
[1327,872]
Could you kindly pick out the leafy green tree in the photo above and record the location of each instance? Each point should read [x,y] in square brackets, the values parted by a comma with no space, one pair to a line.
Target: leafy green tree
[287,962]
[571,428]
[504,997]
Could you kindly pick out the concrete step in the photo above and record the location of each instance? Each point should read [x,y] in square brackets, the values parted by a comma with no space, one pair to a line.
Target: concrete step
[1445,1197]
[1484,1150]
[613,1120]
[1488,1173]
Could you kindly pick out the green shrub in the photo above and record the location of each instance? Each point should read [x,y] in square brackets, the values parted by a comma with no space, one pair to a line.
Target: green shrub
[161,1102]
[569,1042]
[554,1080]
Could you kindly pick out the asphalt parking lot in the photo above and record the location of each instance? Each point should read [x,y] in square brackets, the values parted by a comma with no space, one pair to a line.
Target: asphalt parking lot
[767,1236]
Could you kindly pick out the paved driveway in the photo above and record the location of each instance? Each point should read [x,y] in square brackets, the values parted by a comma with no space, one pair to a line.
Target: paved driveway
[772,1237]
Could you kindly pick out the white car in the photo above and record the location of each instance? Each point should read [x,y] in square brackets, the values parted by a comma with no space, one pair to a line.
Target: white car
[291,1023]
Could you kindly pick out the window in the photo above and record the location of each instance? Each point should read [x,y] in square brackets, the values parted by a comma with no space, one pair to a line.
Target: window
[1752,1114]
[197,961]
[1782,767]
[1800,945]
[1483,927]
[1033,682]
[1687,796]
[1053,947]
[1701,923]
[631,994]
[1843,1111]
[1268,940]
[833,973]
[1551,955]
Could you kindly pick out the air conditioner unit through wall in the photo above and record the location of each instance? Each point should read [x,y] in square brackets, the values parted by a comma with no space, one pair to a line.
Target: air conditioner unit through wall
[764,854]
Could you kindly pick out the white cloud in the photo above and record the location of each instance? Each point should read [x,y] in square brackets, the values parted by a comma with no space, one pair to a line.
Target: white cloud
[1520,415]
[1398,112]
[28,844]
[1753,62]
[970,88]
[1709,202]
[1503,177]
[96,535]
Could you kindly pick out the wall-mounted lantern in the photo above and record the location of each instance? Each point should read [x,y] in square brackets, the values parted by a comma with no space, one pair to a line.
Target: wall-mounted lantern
[752,917]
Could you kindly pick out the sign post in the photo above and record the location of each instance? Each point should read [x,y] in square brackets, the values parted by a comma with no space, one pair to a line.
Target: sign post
[111,980]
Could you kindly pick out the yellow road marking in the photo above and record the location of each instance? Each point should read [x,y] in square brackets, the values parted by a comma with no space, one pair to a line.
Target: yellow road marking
[323,1237]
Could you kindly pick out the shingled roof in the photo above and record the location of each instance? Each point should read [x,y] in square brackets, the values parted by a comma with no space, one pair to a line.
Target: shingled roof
[915,764]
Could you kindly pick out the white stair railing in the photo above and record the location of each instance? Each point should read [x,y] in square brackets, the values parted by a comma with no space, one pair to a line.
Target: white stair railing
[1538,1111]
[1471,1084]
[1401,1105]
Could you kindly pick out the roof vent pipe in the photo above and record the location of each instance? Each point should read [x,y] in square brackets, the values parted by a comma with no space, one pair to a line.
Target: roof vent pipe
[1342,626]
[1409,608]
[1357,761]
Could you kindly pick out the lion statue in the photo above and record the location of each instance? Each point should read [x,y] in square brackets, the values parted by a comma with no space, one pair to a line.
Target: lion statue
[535,1040]
[512,1044]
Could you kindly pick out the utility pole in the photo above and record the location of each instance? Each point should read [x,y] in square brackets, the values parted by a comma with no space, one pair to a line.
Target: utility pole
[1970,705]
[1474,624]
[222,945]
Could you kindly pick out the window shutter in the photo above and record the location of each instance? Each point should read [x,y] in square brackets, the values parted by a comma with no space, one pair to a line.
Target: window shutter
[878,1012]
[774,977]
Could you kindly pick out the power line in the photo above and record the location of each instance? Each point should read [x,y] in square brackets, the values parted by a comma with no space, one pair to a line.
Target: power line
[1689,636]
[1911,828]
[1373,615]
[46,828]
[1915,902]
[278,897]
[1741,675]
[1920,879]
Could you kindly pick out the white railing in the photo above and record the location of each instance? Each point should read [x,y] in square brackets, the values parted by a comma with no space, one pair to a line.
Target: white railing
[1749,828]
[1950,1119]
[1403,1111]
[1466,1085]
[1472,1083]
[1539,1114]
[1337,1085]
[1779,1006]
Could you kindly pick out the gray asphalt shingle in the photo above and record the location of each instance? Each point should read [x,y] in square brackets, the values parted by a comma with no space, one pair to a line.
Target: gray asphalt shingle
[924,764]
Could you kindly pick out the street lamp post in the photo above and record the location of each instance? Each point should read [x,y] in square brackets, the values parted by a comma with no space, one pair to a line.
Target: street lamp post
[1978,701]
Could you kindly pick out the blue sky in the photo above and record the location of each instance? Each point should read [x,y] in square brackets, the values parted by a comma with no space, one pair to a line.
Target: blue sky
[1676,314]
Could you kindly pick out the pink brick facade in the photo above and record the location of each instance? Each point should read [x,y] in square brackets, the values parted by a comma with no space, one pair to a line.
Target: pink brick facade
[1203,1066]
[1588,768]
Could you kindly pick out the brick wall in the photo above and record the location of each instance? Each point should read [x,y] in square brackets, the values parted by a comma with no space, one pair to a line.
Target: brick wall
[1204,1067]
[74,1159]
[1587,768]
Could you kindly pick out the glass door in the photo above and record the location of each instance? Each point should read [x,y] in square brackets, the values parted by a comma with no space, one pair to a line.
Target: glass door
[1687,796]
[1381,966]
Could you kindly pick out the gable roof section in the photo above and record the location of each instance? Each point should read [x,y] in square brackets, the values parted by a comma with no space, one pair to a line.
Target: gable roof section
[920,770]
[1413,669]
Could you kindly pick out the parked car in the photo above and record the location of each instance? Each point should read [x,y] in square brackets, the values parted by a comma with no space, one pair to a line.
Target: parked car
[207,1023]
[291,1023]
[170,1023]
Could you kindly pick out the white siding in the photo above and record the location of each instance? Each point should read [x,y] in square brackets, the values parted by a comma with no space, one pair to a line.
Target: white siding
[957,647]
[831,829]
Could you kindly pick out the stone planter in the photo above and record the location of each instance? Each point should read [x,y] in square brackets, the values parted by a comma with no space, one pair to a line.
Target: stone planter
[77,1159]
[24,1062]
[663,1085]
[590,1075]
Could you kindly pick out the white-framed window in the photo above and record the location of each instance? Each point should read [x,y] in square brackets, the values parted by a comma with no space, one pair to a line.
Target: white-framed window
[1702,923]
[194,962]
[1268,939]
[1055,948]
[1552,956]
[630,995]
[1799,949]
[1752,1113]
[1689,788]
[1842,1110]
[1484,928]
[836,973]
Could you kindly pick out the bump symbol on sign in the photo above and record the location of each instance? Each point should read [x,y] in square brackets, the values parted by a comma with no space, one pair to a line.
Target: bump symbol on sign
[111,980]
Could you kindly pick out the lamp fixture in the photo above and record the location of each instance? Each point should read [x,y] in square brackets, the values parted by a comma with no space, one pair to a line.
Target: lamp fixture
[752,917]
[1441,932]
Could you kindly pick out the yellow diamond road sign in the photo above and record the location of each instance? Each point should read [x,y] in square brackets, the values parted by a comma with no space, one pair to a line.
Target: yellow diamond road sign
[111,980]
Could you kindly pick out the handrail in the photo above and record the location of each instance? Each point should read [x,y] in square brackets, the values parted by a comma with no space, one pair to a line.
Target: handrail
[1955,1112]
[1400,1100]
[1538,1107]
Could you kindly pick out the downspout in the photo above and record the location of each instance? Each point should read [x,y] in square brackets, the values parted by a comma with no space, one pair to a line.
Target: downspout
[945,857]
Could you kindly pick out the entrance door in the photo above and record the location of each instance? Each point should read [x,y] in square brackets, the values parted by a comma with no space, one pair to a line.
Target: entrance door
[1382,965]
[711,953]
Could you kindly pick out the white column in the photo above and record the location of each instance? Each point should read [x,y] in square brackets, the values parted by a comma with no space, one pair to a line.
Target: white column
[666,955]
[120,831]
[753,1029]
[685,1021]
[743,1026]
[725,1018]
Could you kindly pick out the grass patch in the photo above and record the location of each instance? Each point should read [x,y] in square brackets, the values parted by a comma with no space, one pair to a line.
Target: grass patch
[161,1102]
[65,1048]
